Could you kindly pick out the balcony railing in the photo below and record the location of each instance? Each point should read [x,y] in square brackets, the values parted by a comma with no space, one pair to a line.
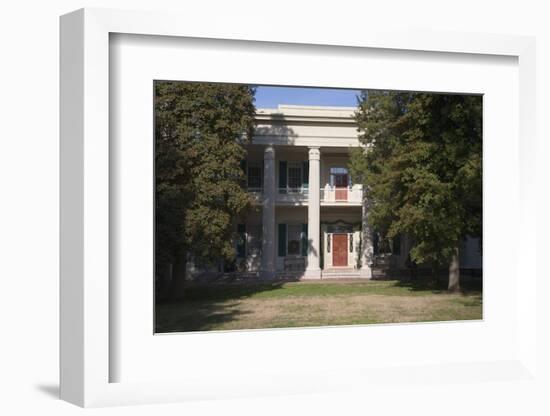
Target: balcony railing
[290,195]
[345,195]
[329,194]
[293,191]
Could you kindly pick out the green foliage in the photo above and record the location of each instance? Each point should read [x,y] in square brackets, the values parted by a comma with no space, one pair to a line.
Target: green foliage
[201,130]
[421,168]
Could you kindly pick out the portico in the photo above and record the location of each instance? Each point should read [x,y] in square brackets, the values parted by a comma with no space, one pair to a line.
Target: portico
[309,211]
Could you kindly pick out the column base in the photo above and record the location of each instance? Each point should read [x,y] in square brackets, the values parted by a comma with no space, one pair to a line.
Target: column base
[312,274]
[366,273]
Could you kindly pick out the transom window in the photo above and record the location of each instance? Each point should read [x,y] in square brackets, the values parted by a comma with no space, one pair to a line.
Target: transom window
[338,171]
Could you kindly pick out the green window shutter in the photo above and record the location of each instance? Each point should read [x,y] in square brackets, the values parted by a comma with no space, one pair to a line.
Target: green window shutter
[375,241]
[282,174]
[282,240]
[305,174]
[241,242]
[305,241]
[243,165]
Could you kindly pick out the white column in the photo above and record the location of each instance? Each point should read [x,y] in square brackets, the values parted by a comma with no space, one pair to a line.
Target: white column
[366,239]
[268,215]
[313,270]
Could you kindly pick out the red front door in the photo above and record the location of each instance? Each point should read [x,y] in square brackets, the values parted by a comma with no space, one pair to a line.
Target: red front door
[339,250]
[341,184]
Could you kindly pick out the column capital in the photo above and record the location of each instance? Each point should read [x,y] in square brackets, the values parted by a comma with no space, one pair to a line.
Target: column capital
[314,153]
[269,152]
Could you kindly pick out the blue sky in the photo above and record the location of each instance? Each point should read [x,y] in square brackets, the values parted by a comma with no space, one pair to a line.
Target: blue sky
[271,97]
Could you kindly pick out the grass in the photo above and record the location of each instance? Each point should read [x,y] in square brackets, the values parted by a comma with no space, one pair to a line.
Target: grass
[252,305]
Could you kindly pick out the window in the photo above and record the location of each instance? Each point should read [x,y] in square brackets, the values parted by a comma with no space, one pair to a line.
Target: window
[254,240]
[339,177]
[294,175]
[294,239]
[255,175]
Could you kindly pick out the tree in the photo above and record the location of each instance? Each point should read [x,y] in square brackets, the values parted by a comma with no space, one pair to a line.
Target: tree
[421,167]
[201,130]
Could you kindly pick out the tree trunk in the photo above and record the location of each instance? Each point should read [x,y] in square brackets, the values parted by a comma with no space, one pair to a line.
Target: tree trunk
[454,273]
[177,287]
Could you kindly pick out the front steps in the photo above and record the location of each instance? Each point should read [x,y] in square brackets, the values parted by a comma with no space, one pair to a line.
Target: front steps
[343,273]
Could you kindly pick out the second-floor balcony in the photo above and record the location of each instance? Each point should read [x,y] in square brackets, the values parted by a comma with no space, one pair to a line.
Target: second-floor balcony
[328,195]
[292,173]
[333,195]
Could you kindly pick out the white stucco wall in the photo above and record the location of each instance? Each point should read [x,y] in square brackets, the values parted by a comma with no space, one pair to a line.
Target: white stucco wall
[470,255]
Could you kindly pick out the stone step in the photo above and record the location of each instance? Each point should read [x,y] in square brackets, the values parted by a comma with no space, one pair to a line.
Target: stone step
[335,273]
[340,271]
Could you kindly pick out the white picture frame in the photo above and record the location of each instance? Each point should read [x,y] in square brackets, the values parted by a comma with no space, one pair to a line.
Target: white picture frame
[86,265]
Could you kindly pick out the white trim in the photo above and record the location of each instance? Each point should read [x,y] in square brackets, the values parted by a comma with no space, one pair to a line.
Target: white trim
[332,141]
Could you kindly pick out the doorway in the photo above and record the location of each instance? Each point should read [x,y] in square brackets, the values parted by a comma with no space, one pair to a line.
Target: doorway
[339,250]
[339,179]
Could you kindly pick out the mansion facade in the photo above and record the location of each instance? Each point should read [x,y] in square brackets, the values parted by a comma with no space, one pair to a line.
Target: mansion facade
[309,218]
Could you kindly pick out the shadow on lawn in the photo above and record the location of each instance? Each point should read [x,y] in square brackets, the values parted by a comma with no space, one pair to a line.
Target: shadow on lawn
[468,286]
[204,306]
[196,316]
[223,291]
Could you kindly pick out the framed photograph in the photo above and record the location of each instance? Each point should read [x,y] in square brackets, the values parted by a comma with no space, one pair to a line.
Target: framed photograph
[279,207]
[286,213]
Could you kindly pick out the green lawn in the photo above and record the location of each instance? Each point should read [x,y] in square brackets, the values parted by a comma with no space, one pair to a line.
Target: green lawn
[251,305]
